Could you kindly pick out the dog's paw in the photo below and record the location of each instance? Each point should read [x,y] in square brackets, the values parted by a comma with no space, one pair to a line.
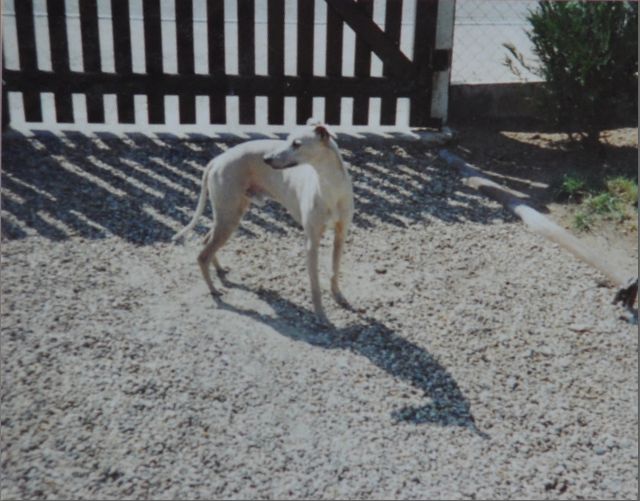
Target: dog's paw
[222,271]
[342,301]
[322,320]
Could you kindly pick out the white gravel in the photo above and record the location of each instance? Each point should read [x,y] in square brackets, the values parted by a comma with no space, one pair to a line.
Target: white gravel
[480,360]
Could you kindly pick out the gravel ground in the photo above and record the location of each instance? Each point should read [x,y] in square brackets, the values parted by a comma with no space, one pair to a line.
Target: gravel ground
[479,361]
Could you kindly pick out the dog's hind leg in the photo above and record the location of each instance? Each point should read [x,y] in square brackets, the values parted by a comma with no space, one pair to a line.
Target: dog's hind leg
[220,270]
[226,223]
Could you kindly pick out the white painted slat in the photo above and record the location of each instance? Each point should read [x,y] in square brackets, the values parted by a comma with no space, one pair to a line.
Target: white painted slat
[231,63]
[290,37]
[402,112]
[348,51]
[74,38]
[233,111]
[320,39]
[105,34]
[10,36]
[290,104]
[202,110]
[136,24]
[346,111]
[141,110]
[41,26]
[79,104]
[16,108]
[169,37]
[48,107]
[379,16]
[407,27]
[171,111]
[444,40]
[200,43]
[110,110]
[375,104]
[261,39]
[261,110]
[318,108]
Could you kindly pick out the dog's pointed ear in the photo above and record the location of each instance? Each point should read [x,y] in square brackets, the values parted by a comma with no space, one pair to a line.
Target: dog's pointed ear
[324,132]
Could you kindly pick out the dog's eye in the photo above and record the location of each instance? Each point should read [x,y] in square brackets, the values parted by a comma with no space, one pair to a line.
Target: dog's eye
[296,145]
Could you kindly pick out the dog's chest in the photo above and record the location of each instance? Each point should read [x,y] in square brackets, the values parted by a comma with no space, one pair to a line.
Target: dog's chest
[332,191]
[316,194]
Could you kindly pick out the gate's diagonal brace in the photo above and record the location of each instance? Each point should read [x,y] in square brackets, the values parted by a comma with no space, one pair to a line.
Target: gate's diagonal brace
[399,64]
[538,223]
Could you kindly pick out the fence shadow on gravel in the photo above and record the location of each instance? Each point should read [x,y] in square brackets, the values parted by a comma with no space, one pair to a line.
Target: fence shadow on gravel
[144,188]
[370,338]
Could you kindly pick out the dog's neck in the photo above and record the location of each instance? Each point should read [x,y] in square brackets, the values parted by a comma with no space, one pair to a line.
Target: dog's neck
[337,158]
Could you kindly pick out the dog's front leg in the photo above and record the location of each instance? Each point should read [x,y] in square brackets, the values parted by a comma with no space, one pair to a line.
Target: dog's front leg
[313,243]
[338,243]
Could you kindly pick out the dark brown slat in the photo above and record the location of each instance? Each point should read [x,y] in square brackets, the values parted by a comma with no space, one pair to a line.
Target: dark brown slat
[304,105]
[276,57]
[59,56]
[256,85]
[246,56]
[153,57]
[58,36]
[392,23]
[333,63]
[28,58]
[215,37]
[423,45]
[362,68]
[373,36]
[91,56]
[26,36]
[186,61]
[122,56]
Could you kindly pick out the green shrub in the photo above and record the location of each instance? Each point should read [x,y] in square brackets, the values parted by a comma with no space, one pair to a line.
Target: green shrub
[588,55]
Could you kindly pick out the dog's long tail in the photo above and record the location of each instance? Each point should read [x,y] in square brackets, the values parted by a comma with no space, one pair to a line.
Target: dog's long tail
[202,201]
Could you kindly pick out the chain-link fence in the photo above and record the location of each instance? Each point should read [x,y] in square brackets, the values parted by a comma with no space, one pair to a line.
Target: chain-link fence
[481,29]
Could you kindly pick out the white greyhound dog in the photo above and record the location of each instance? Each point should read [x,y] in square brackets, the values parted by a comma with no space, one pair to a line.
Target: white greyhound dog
[305,173]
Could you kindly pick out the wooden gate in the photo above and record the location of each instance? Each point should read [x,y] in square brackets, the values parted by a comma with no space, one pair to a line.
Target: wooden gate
[416,78]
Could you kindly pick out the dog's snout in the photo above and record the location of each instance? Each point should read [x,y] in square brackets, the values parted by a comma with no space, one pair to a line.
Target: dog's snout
[268,159]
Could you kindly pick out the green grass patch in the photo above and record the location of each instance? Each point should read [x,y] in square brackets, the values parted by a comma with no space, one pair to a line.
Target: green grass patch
[604,204]
[624,188]
[582,221]
[615,200]
[573,187]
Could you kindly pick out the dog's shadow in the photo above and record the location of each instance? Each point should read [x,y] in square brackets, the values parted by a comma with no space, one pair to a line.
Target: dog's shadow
[446,405]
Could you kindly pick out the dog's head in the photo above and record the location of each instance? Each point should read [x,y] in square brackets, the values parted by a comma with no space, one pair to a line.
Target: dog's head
[307,144]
